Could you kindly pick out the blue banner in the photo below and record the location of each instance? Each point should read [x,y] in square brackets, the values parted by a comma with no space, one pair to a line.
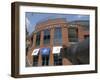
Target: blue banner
[45,51]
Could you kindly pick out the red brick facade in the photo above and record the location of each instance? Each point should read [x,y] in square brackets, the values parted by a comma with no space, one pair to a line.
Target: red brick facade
[51,24]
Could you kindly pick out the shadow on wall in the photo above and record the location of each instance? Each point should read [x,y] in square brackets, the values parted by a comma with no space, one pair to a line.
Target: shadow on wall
[78,53]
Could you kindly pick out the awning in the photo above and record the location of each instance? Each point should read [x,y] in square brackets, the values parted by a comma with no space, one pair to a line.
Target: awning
[56,50]
[45,51]
[35,52]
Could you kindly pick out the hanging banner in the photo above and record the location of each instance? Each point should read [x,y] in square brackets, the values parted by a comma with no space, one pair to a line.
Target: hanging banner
[35,52]
[56,50]
[45,51]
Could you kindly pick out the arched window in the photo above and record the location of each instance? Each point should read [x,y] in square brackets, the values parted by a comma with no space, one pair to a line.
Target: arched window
[57,36]
[38,38]
[73,34]
[46,36]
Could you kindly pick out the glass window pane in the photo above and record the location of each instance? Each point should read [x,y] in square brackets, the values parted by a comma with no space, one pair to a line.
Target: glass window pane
[35,60]
[58,36]
[73,34]
[38,39]
[57,59]
[45,60]
[46,36]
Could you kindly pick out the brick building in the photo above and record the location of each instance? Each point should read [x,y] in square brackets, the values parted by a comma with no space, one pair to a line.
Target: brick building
[48,38]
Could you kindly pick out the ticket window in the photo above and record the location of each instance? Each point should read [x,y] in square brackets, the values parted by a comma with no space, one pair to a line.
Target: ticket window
[35,60]
[45,60]
[57,59]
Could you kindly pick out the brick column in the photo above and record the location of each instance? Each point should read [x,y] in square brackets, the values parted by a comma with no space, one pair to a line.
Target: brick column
[34,40]
[41,39]
[65,41]
[65,36]
[41,45]
[51,45]
[29,56]
[40,59]
[80,34]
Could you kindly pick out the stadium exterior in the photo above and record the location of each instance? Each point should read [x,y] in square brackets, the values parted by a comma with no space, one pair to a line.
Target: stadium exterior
[46,41]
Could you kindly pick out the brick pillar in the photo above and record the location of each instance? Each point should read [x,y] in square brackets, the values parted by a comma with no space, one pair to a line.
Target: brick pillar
[65,40]
[29,56]
[40,59]
[51,45]
[65,35]
[41,39]
[80,34]
[34,40]
[41,45]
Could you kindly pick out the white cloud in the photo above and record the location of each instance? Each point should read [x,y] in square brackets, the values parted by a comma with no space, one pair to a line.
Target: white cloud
[27,23]
[29,26]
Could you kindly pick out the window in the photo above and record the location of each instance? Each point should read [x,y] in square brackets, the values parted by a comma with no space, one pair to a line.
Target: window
[38,39]
[57,36]
[57,59]
[35,60]
[31,41]
[86,36]
[45,60]
[73,34]
[46,36]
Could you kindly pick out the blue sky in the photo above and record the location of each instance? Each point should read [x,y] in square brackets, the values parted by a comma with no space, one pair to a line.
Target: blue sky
[33,18]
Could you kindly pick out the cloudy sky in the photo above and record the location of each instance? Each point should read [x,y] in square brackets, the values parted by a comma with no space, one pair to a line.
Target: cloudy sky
[33,18]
